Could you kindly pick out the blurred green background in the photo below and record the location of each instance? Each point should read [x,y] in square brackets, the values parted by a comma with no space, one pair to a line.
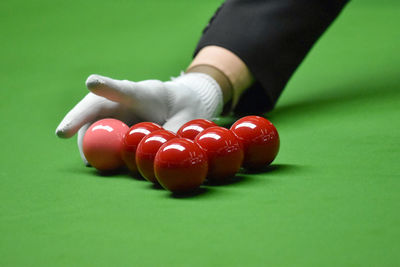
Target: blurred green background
[333,199]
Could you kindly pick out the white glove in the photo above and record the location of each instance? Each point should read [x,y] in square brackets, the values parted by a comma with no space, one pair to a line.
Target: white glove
[171,104]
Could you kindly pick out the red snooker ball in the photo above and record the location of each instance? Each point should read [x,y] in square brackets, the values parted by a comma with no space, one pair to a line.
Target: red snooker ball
[180,165]
[260,141]
[147,150]
[192,128]
[103,142]
[224,152]
[132,140]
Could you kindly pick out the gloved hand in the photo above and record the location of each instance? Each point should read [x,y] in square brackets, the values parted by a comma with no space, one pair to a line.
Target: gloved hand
[171,104]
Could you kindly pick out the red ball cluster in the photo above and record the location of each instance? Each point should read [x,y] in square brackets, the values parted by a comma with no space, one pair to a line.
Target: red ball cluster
[182,162]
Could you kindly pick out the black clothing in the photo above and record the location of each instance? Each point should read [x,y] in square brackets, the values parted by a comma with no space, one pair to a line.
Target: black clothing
[272,37]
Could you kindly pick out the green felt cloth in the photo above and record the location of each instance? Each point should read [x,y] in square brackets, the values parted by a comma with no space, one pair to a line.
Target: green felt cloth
[331,198]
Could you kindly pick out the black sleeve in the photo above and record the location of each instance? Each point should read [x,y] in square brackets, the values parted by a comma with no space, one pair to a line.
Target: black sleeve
[272,37]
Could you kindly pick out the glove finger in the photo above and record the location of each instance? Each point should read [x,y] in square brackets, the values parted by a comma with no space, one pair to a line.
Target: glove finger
[85,111]
[81,134]
[126,92]
[114,90]
[174,123]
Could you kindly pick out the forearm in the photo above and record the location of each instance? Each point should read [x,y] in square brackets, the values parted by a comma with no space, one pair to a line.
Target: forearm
[270,39]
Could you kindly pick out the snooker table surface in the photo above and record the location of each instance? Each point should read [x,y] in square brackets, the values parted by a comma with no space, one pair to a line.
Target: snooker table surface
[331,197]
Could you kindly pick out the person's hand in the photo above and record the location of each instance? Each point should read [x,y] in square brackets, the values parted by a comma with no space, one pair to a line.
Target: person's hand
[170,104]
